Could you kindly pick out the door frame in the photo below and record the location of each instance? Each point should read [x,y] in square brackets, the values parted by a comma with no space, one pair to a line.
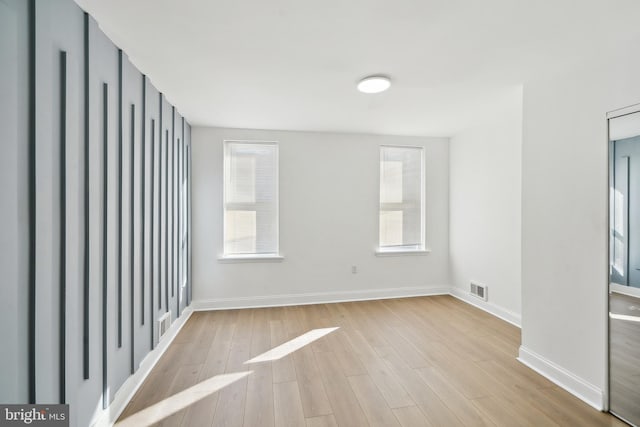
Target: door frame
[625,111]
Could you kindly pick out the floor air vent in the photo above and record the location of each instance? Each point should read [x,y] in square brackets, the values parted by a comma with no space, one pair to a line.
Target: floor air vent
[162,326]
[479,290]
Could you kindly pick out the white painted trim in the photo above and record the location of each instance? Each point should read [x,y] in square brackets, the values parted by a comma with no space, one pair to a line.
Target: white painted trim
[491,308]
[317,298]
[382,252]
[624,290]
[250,258]
[575,385]
[126,392]
[623,111]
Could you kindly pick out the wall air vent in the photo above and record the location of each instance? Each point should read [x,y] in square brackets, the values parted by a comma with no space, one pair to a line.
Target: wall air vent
[479,290]
[162,326]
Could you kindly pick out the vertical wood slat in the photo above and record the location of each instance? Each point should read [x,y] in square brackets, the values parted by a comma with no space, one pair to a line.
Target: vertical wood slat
[63,227]
[160,206]
[173,199]
[166,221]
[174,207]
[189,216]
[32,202]
[119,239]
[105,177]
[132,136]
[178,244]
[152,230]
[85,271]
[183,243]
[143,197]
[188,249]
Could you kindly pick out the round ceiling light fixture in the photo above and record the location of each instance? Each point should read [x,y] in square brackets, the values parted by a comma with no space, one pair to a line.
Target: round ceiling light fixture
[374,84]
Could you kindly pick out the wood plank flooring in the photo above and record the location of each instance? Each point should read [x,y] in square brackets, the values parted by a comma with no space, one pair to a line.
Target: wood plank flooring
[428,361]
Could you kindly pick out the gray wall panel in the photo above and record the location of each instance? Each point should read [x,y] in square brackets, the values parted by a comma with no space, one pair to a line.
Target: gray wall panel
[152,111]
[62,30]
[161,207]
[167,126]
[119,211]
[104,69]
[138,345]
[189,215]
[14,210]
[47,196]
[180,244]
[65,115]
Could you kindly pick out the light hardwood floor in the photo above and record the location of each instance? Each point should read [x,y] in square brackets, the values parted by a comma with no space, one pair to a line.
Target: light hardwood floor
[428,361]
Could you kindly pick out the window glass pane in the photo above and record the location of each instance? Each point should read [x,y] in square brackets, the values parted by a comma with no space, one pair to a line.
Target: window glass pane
[251,198]
[240,236]
[241,185]
[391,228]
[401,206]
[391,181]
[412,225]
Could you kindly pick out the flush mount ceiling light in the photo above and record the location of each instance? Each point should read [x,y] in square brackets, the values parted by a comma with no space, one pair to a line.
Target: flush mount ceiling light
[374,84]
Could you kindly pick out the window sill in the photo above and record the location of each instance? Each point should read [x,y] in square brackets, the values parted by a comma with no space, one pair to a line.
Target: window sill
[402,252]
[250,258]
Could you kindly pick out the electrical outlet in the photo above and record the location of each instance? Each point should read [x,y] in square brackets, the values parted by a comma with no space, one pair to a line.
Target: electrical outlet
[354,269]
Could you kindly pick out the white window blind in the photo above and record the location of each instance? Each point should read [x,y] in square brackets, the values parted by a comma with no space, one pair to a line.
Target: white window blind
[401,218]
[250,198]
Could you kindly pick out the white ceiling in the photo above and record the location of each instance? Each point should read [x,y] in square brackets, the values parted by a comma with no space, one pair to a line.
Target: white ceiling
[293,64]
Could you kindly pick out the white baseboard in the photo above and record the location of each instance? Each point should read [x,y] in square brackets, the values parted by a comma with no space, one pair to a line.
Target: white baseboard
[624,290]
[502,313]
[575,385]
[126,392]
[317,298]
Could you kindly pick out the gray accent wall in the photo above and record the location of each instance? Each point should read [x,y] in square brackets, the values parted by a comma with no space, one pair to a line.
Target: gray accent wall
[153,194]
[14,110]
[50,359]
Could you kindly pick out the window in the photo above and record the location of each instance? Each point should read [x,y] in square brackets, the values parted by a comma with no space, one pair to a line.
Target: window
[401,219]
[250,199]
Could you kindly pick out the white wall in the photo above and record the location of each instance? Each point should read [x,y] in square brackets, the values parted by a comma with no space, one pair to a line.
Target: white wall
[485,208]
[328,222]
[564,216]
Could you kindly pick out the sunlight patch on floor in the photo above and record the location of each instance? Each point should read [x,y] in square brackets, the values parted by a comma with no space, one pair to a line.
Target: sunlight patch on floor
[169,406]
[290,346]
[179,401]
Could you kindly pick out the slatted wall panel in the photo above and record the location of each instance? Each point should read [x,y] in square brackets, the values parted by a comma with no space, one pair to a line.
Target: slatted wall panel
[95,174]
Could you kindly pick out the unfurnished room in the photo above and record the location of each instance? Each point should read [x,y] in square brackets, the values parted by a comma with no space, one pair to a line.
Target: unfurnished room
[339,213]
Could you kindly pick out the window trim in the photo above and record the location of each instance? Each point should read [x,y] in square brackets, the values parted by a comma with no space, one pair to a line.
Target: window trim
[251,258]
[405,249]
[248,257]
[402,252]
